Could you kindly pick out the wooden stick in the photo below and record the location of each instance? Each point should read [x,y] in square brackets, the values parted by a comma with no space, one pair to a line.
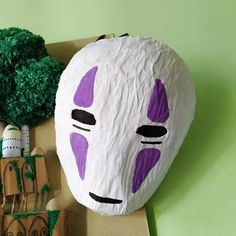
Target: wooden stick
[43,200]
[25,202]
[36,202]
[21,202]
[13,204]
[24,205]
[4,201]
[41,194]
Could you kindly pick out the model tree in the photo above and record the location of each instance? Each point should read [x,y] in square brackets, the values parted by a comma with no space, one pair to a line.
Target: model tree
[28,80]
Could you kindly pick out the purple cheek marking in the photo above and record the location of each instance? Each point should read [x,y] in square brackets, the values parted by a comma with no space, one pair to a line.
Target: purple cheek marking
[84,94]
[158,110]
[146,160]
[79,146]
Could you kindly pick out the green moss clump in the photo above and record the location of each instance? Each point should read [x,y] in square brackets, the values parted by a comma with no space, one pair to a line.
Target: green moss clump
[30,160]
[18,176]
[28,78]
[29,175]
[45,188]
[16,47]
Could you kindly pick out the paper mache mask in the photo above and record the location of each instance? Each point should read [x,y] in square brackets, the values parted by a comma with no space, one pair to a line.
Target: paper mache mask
[123,108]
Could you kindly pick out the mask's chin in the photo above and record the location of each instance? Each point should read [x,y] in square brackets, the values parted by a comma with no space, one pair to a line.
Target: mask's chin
[104,205]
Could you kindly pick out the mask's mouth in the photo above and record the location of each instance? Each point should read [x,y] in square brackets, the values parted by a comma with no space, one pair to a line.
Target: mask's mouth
[104,199]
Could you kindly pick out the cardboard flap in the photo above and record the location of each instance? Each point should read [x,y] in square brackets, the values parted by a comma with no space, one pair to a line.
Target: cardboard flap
[63,51]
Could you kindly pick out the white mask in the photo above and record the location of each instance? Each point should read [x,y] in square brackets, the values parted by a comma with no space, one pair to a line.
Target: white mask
[123,108]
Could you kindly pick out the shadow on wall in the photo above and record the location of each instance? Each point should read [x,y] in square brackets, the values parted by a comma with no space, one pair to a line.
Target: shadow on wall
[192,163]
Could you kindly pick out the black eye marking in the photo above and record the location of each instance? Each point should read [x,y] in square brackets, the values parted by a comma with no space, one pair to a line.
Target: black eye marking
[151,131]
[83,117]
[146,142]
[78,127]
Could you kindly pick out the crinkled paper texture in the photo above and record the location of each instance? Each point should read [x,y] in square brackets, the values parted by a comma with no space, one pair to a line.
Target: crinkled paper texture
[118,97]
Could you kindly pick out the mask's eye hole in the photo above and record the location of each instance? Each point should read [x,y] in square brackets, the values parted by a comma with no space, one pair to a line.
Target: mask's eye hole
[83,117]
[151,131]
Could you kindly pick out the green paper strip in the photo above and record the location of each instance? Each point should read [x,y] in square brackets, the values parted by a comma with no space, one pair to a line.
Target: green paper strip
[18,176]
[52,220]
[17,216]
[45,188]
[12,129]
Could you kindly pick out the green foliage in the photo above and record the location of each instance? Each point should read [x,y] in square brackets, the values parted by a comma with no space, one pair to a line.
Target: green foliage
[52,220]
[18,176]
[16,47]
[45,188]
[29,175]
[30,160]
[28,78]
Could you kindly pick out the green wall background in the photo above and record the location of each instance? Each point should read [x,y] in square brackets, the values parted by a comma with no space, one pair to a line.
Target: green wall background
[198,195]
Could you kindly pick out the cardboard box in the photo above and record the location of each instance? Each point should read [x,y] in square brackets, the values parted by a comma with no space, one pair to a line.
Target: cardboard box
[21,175]
[47,223]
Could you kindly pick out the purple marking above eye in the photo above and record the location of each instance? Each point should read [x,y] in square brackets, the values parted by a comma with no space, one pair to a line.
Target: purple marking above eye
[79,146]
[146,160]
[84,94]
[158,110]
